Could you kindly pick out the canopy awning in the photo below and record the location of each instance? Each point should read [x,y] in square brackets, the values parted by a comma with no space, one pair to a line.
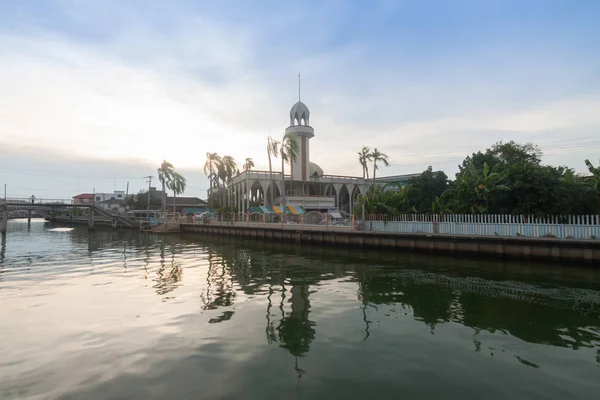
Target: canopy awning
[265,209]
[296,210]
[277,209]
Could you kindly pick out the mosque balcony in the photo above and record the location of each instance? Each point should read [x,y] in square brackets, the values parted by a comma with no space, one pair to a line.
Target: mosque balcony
[308,202]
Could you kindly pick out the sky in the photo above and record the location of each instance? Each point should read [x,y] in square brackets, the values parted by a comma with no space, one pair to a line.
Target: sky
[95,94]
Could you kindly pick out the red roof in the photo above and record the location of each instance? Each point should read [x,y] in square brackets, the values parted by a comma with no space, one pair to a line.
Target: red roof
[84,196]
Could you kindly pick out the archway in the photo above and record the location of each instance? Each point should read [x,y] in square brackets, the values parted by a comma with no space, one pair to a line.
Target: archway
[257,194]
[275,194]
[344,199]
[354,196]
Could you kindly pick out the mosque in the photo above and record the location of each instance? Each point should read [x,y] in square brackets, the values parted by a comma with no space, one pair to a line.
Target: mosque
[307,185]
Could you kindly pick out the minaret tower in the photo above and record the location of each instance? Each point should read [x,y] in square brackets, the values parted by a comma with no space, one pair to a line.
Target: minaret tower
[302,131]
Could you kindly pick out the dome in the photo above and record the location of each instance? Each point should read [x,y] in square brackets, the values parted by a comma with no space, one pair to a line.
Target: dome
[298,113]
[314,171]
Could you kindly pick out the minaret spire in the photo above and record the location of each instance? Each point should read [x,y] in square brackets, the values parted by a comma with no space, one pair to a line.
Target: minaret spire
[298,86]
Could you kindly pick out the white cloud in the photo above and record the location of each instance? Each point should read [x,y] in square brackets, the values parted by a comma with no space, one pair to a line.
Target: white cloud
[211,85]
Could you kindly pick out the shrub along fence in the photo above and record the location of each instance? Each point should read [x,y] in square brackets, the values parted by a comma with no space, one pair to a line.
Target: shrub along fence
[554,226]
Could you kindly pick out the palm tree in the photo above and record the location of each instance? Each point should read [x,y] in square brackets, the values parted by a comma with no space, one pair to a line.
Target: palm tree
[364,156]
[248,165]
[378,156]
[595,178]
[288,151]
[272,150]
[229,167]
[210,170]
[165,174]
[177,185]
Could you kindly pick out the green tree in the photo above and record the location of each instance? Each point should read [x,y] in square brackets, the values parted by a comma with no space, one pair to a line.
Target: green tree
[364,156]
[213,160]
[272,151]
[288,151]
[165,173]
[376,155]
[177,184]
[594,180]
[426,188]
[248,164]
[139,201]
[227,168]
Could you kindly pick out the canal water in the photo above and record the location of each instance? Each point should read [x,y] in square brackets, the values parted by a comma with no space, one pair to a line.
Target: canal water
[123,315]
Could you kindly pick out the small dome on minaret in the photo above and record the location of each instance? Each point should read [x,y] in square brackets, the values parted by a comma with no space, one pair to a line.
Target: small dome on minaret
[299,114]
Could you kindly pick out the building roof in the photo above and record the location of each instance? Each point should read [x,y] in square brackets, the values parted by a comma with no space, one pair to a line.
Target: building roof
[298,113]
[186,200]
[113,201]
[84,196]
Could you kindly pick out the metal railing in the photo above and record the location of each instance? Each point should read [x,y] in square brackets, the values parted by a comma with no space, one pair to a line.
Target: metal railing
[24,200]
[554,226]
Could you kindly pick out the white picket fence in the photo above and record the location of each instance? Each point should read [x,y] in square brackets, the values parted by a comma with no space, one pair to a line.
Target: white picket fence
[556,226]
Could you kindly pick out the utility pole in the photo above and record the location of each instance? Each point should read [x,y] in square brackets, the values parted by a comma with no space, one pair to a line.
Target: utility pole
[149,177]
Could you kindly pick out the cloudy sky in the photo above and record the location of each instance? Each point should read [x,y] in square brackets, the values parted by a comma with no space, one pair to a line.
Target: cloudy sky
[94,94]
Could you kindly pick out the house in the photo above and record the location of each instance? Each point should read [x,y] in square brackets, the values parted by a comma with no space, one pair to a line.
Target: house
[117,205]
[84,198]
[116,195]
[185,202]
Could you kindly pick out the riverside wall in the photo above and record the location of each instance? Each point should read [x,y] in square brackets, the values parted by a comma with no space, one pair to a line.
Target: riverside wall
[569,250]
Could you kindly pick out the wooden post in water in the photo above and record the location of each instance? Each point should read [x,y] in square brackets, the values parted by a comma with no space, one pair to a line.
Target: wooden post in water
[91,216]
[4,223]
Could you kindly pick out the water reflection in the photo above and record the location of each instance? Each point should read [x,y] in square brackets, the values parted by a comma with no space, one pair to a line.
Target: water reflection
[536,313]
[240,311]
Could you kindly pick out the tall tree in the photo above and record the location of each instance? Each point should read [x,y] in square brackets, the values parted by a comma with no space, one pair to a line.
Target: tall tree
[177,184]
[229,167]
[595,175]
[364,156]
[288,151]
[426,188]
[213,160]
[594,180]
[248,164]
[165,174]
[272,151]
[376,155]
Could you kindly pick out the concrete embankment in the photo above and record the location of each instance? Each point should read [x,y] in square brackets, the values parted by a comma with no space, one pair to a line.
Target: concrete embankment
[584,251]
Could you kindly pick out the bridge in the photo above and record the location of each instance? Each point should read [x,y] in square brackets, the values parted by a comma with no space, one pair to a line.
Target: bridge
[27,204]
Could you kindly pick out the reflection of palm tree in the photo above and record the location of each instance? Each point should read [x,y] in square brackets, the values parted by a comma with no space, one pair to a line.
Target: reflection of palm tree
[270,329]
[167,278]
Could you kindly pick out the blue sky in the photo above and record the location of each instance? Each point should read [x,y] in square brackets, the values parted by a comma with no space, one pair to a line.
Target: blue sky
[95,94]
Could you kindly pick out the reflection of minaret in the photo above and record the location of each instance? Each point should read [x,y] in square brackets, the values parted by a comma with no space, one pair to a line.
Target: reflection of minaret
[296,331]
[302,131]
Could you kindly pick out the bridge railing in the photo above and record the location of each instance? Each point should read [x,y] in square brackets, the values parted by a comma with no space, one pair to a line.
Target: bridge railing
[25,200]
